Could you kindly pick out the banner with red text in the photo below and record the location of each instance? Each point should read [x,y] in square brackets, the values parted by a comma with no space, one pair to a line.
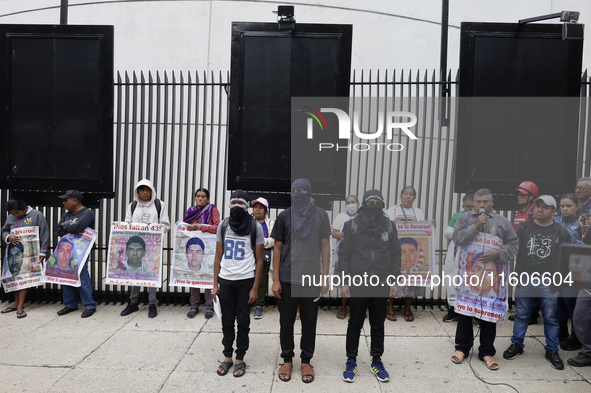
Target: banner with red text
[21,268]
[481,287]
[135,254]
[68,258]
[418,252]
[192,258]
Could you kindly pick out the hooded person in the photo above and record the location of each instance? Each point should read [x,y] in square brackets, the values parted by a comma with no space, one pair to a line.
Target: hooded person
[369,246]
[145,209]
[301,236]
[237,273]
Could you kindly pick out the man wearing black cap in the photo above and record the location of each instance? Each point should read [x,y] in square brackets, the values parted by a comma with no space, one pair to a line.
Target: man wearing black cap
[75,220]
[301,236]
[369,246]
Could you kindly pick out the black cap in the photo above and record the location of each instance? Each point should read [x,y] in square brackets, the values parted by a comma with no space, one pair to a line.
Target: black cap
[72,194]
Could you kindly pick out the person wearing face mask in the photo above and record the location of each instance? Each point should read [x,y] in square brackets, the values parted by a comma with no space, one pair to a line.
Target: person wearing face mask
[352,204]
[301,236]
[369,246]
[236,276]
[405,211]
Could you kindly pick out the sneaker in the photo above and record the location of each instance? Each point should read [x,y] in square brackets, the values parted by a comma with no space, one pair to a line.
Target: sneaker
[131,307]
[208,314]
[350,369]
[581,360]
[192,313]
[88,312]
[571,344]
[66,310]
[513,351]
[378,369]
[554,360]
[152,311]
[258,312]
[451,315]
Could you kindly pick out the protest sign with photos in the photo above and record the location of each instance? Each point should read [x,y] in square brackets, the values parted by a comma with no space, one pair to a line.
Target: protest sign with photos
[68,258]
[193,257]
[418,252]
[21,268]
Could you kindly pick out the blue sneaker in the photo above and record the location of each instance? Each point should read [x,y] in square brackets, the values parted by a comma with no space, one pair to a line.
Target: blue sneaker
[350,369]
[378,369]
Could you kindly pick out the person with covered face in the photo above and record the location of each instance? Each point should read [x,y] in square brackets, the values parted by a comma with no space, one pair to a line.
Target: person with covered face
[21,215]
[237,273]
[369,246]
[301,236]
[145,209]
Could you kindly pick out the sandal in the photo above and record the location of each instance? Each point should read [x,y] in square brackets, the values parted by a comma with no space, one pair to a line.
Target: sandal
[8,309]
[239,367]
[342,314]
[225,366]
[458,357]
[409,317]
[20,315]
[285,371]
[308,372]
[390,316]
[490,363]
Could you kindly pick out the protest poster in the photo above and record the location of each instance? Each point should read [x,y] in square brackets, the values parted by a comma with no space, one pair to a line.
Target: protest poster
[193,257]
[135,254]
[418,252]
[481,287]
[21,268]
[68,258]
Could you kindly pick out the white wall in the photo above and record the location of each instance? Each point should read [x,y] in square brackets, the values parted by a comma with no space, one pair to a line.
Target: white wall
[195,34]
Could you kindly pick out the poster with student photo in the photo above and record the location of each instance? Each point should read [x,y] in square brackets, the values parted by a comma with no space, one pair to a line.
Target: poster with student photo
[418,252]
[21,268]
[192,258]
[135,255]
[69,257]
[481,287]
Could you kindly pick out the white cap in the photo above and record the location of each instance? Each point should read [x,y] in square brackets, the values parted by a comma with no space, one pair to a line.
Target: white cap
[547,199]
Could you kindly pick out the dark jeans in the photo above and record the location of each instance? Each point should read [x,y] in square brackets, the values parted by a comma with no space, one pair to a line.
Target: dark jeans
[377,315]
[288,308]
[465,336]
[582,321]
[263,287]
[233,298]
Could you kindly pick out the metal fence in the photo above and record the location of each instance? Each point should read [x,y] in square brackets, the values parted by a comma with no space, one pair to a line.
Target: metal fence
[171,129]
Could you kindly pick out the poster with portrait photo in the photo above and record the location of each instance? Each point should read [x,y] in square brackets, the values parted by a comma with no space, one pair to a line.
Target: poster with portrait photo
[192,258]
[135,254]
[418,252]
[481,287]
[68,258]
[21,268]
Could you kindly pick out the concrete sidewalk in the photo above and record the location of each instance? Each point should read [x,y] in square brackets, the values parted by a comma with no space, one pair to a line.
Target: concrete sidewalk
[171,353]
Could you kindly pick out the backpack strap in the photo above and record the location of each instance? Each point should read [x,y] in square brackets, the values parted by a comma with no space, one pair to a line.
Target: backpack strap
[224,229]
[253,234]
[133,206]
[530,213]
[353,227]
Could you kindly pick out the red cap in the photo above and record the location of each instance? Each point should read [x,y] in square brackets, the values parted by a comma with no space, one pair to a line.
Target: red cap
[527,187]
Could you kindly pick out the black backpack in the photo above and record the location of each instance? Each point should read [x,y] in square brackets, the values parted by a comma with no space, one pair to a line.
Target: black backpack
[156,203]
[253,232]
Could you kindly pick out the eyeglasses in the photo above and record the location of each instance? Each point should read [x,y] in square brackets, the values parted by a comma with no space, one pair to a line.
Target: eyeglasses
[468,207]
[581,188]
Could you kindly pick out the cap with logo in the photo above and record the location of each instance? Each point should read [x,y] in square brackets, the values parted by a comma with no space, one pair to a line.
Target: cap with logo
[72,194]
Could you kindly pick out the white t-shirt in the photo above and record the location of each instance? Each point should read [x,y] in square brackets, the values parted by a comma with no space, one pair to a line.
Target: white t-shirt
[238,261]
[398,213]
[340,220]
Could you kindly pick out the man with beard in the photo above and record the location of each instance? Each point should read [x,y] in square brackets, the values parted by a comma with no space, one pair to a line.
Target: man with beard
[236,276]
[369,245]
[301,236]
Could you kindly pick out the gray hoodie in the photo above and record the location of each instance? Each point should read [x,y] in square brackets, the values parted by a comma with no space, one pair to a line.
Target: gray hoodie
[33,218]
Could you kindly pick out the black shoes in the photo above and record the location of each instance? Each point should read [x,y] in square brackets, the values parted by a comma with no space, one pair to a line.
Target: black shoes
[581,360]
[513,351]
[451,316]
[88,312]
[131,307]
[152,312]
[66,310]
[571,344]
[554,360]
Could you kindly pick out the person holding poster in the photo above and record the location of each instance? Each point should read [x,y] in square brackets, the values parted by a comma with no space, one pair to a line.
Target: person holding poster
[237,274]
[204,217]
[483,219]
[369,246]
[21,215]
[260,210]
[406,212]
[75,220]
[145,209]
[539,243]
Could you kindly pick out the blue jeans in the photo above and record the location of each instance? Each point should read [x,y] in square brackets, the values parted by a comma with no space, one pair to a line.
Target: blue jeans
[525,298]
[70,294]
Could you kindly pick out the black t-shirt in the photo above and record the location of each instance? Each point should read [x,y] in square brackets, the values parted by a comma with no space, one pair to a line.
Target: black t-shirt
[300,256]
[538,249]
